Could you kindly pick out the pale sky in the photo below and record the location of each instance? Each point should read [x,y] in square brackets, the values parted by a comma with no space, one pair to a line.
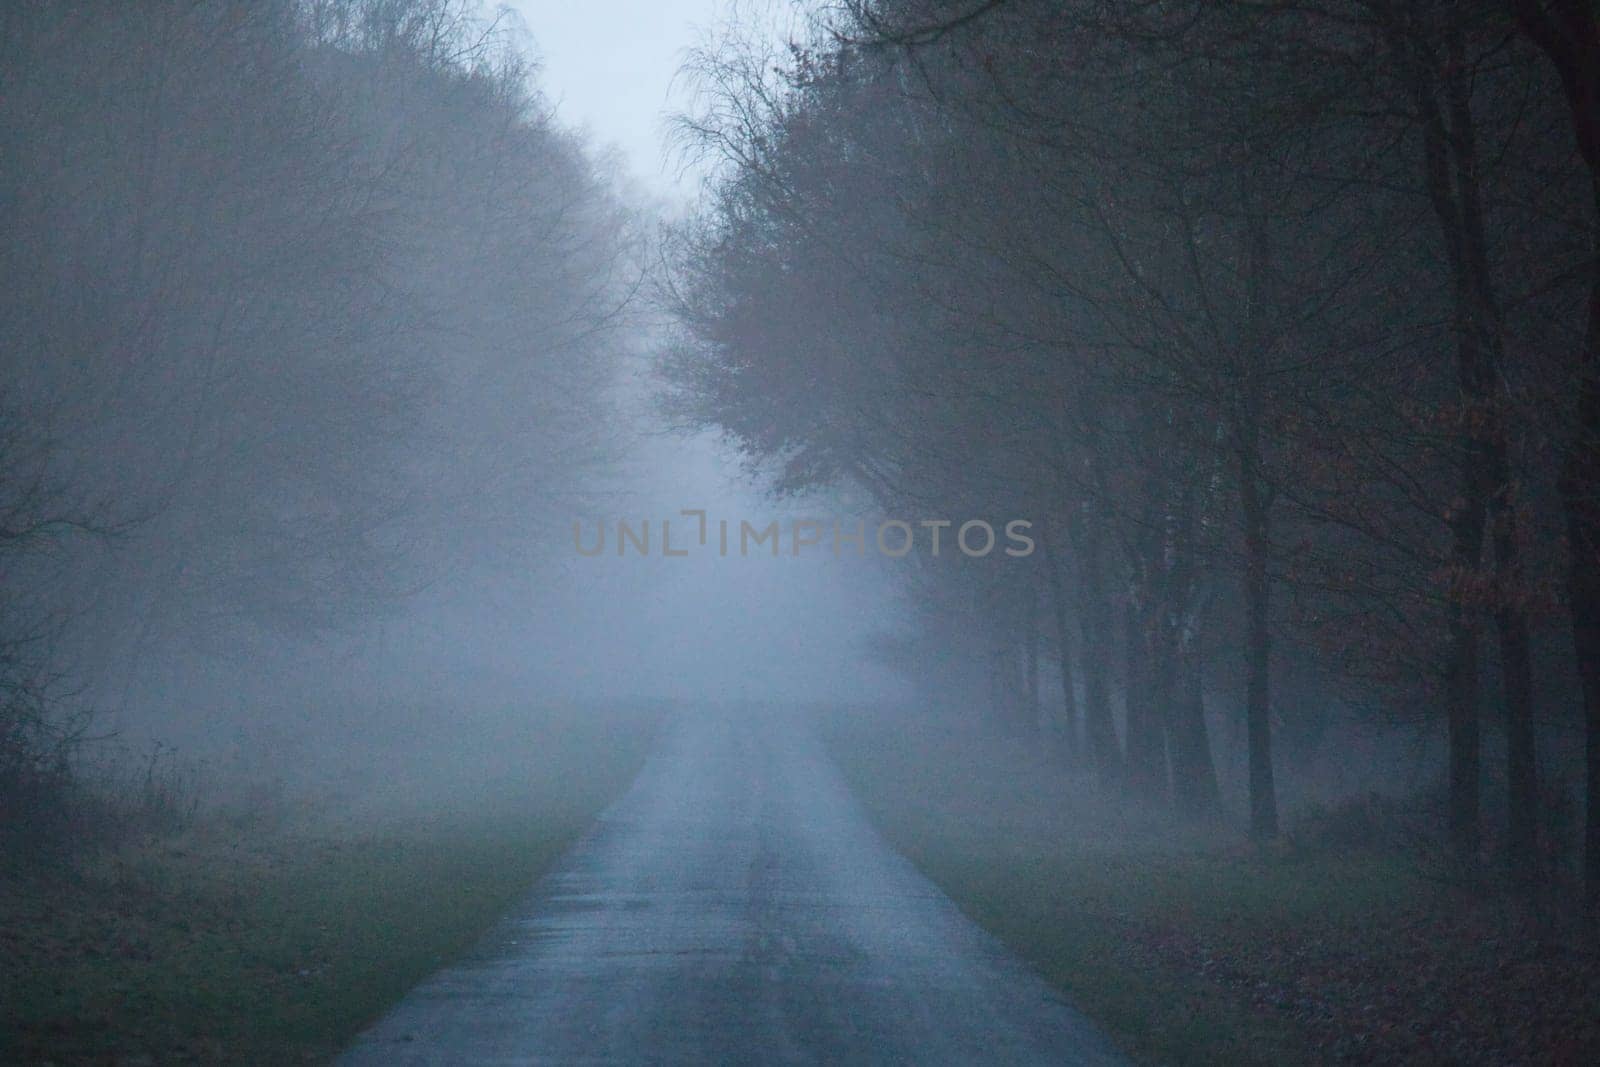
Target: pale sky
[610,65]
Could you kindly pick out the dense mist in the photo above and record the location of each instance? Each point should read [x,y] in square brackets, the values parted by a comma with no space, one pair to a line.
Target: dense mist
[324,330]
[1058,530]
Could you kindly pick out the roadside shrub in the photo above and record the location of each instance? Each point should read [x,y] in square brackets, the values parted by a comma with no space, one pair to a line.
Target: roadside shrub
[40,810]
[64,792]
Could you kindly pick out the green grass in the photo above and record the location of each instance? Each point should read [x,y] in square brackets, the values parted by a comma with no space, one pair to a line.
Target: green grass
[1098,927]
[1186,947]
[255,947]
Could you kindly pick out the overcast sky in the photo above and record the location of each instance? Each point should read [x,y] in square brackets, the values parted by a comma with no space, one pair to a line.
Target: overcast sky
[610,66]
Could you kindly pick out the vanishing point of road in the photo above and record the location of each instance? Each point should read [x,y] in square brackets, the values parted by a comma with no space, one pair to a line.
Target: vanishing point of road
[734,907]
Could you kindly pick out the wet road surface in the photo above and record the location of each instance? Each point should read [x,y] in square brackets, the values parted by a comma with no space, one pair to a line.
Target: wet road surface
[734,907]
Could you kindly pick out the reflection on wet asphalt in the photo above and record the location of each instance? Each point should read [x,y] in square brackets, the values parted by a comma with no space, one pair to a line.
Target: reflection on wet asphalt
[734,907]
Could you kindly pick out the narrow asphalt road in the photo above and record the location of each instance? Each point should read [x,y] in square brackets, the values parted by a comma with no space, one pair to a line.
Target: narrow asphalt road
[734,907]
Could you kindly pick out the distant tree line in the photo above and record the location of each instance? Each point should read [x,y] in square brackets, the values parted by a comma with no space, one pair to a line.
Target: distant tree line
[1282,320]
[306,302]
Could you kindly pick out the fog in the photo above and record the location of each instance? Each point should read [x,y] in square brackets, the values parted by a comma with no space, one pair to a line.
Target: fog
[701,627]
[1069,471]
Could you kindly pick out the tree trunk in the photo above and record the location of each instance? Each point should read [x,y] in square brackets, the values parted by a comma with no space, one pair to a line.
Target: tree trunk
[1194,773]
[1255,509]
[1583,532]
[1461,716]
[1258,645]
[1580,494]
[1516,666]
[1031,707]
[1147,758]
[1094,620]
[1482,353]
[997,689]
[1163,635]
[1440,90]
[1570,35]
[1147,635]
[1067,736]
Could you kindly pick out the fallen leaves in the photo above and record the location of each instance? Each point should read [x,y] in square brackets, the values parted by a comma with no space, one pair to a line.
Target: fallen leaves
[1482,984]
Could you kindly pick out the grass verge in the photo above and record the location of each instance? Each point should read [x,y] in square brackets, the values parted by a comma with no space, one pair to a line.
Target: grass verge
[252,946]
[1193,949]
